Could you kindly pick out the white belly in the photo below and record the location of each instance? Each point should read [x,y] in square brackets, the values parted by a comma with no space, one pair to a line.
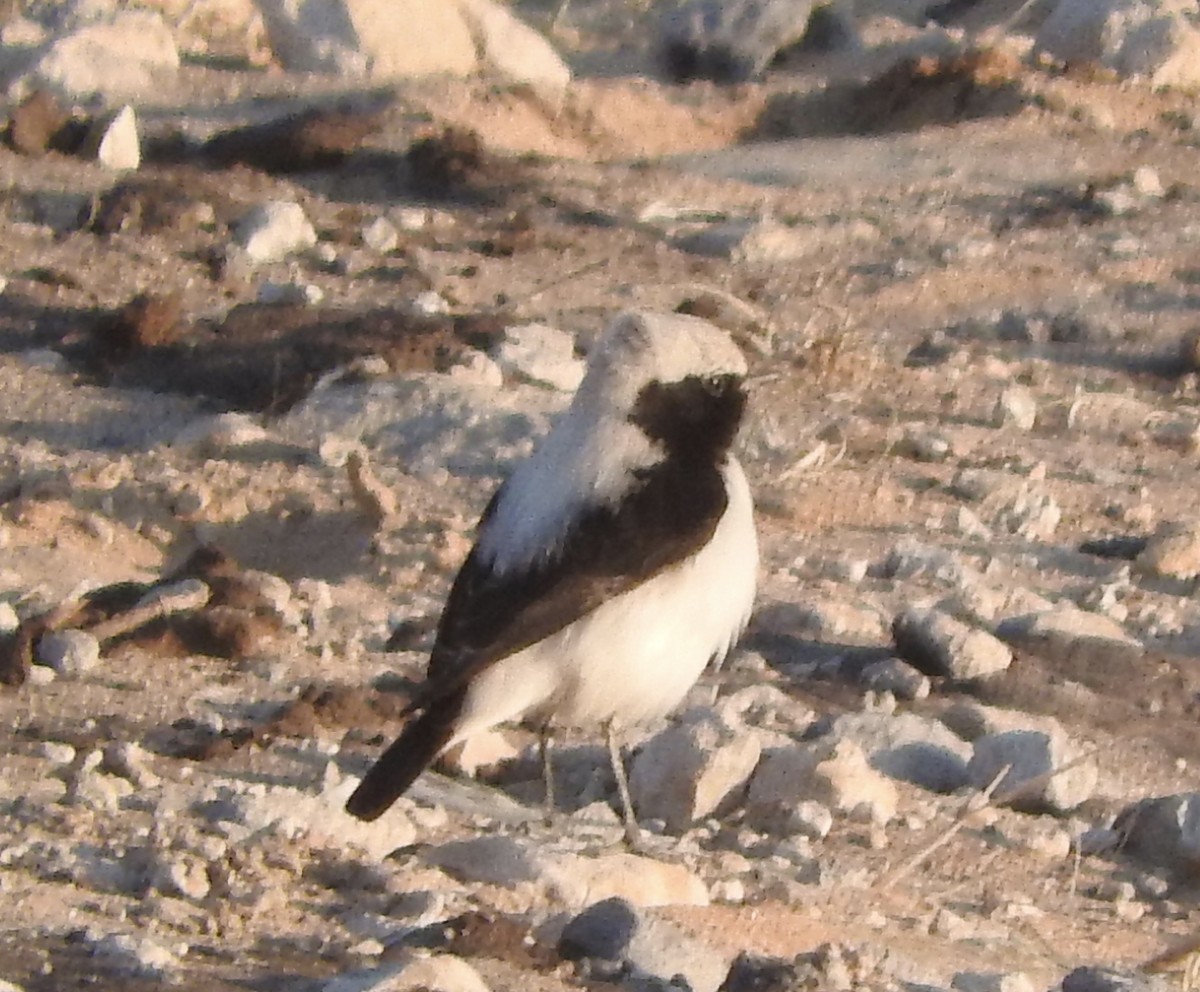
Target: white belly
[634,658]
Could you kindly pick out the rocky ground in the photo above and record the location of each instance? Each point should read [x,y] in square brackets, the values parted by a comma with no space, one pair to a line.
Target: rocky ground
[243,450]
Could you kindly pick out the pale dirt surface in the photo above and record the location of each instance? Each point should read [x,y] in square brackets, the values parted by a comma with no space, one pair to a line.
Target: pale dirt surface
[910,233]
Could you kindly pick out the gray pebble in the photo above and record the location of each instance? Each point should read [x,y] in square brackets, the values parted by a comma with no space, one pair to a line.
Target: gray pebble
[1092,979]
[69,652]
[939,644]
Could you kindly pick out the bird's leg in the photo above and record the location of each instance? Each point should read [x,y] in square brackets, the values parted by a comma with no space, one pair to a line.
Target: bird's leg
[632,833]
[545,740]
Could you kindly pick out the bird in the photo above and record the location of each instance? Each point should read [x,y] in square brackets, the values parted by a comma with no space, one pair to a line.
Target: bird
[608,570]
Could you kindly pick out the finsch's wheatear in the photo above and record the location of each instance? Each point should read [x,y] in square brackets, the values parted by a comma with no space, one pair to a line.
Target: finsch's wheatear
[613,564]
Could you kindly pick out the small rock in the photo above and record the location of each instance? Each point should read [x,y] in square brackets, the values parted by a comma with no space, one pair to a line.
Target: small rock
[908,747]
[1164,831]
[1033,513]
[430,304]
[1173,552]
[836,774]
[540,354]
[113,141]
[811,819]
[274,230]
[729,42]
[182,875]
[1081,645]
[895,676]
[1018,407]
[131,762]
[924,446]
[518,55]
[951,926]
[972,720]
[142,956]
[121,56]
[1038,834]
[223,432]
[614,934]
[290,294]
[476,368]
[57,752]
[9,621]
[495,860]
[1031,754]
[381,235]
[938,644]
[992,981]
[69,652]
[1092,979]
[1098,840]
[691,771]
[1146,181]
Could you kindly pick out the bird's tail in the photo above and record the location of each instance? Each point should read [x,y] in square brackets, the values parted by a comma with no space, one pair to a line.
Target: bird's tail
[421,740]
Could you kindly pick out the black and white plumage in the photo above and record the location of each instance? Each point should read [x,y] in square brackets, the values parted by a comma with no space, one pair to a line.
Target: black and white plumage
[611,566]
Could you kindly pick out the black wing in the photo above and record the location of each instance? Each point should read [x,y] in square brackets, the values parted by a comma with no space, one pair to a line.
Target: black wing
[670,515]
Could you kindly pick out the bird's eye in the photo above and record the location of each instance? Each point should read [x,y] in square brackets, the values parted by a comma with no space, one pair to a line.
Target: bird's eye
[714,383]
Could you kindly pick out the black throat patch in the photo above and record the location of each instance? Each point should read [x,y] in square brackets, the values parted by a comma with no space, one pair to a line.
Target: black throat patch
[694,419]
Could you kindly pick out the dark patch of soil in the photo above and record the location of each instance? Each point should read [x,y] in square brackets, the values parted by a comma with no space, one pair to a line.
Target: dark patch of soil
[268,357]
[339,707]
[455,163]
[304,142]
[147,321]
[176,201]
[912,94]
[35,122]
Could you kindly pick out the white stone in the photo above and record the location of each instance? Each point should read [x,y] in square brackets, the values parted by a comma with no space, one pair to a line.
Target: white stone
[430,304]
[116,141]
[908,747]
[515,52]
[836,774]
[124,56]
[691,771]
[1147,38]
[223,431]
[1173,552]
[68,652]
[1016,406]
[182,875]
[382,39]
[9,621]
[542,354]
[476,368]
[136,955]
[1031,754]
[274,230]
[381,235]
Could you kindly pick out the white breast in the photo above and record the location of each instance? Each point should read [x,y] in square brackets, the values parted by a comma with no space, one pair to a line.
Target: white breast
[634,658]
